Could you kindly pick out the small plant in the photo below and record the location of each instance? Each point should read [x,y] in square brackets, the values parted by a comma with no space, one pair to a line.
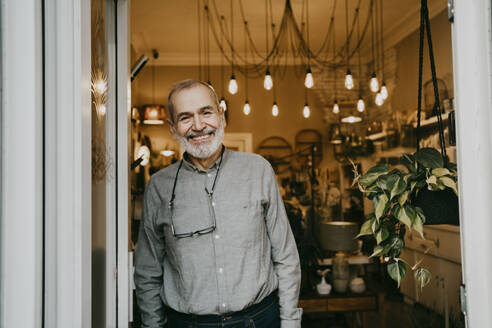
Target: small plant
[393,193]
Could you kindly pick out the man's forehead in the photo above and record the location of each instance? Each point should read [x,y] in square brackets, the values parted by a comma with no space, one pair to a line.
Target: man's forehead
[195,96]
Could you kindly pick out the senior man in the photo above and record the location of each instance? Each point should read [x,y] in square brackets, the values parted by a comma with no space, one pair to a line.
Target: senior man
[215,247]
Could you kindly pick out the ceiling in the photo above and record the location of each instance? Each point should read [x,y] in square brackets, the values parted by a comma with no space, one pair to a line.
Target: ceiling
[172,28]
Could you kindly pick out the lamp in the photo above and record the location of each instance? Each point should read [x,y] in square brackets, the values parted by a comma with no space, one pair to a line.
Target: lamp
[233,85]
[339,236]
[306,112]
[309,81]
[275,109]
[268,82]
[154,114]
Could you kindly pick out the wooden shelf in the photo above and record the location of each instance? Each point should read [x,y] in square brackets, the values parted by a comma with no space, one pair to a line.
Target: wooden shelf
[431,121]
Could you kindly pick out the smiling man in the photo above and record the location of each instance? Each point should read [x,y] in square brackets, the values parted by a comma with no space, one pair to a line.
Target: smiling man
[215,246]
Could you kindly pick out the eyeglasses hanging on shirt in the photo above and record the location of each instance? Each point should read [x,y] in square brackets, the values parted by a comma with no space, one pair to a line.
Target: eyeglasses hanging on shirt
[210,194]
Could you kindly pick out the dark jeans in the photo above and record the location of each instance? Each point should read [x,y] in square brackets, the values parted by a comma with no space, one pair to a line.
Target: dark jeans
[263,315]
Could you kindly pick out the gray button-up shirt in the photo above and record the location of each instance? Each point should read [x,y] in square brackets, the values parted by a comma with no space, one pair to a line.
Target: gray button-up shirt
[251,253]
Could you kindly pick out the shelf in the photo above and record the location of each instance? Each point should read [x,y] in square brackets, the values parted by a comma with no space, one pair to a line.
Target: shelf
[380,135]
[431,121]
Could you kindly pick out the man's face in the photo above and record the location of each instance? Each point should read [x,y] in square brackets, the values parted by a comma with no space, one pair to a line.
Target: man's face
[198,124]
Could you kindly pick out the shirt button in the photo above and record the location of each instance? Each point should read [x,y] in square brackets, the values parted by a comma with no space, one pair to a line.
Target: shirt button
[217,236]
[213,203]
[223,305]
[209,175]
[221,270]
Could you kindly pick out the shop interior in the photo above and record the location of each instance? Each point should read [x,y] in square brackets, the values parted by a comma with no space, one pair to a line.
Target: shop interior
[325,91]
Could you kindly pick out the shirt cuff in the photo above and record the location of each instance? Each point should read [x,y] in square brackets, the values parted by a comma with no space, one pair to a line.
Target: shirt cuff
[290,323]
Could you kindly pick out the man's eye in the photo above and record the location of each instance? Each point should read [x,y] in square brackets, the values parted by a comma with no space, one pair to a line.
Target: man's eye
[183,118]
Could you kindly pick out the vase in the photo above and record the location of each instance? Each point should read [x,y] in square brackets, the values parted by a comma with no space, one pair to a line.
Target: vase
[340,273]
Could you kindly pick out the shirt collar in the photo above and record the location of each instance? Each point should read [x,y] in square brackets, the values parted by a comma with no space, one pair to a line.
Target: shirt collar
[187,164]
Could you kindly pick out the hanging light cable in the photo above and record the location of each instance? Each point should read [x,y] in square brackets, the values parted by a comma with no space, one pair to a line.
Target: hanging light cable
[268,81]
[232,83]
[361,106]
[384,90]
[199,40]
[336,109]
[247,107]
[373,83]
[222,103]
[207,42]
[308,81]
[349,80]
[275,110]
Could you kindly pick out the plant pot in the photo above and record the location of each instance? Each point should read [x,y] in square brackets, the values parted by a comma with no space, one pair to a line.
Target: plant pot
[440,207]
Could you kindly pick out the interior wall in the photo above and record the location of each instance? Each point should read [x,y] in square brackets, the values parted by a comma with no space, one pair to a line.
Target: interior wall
[405,93]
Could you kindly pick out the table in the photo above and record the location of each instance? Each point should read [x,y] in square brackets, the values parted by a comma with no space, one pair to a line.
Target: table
[348,302]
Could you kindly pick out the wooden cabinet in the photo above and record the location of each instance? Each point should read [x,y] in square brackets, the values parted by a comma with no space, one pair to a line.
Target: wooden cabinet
[444,262]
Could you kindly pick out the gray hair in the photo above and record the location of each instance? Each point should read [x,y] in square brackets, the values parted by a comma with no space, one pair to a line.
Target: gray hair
[184,85]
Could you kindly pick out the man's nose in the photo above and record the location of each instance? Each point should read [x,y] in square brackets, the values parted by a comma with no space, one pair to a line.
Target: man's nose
[198,125]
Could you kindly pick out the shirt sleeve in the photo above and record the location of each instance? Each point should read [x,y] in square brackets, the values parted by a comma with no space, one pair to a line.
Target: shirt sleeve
[148,267]
[284,255]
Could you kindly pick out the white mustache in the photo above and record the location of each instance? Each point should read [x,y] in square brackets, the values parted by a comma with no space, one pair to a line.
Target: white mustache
[193,134]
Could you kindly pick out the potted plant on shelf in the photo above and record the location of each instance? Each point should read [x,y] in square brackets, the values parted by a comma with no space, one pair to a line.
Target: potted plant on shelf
[397,196]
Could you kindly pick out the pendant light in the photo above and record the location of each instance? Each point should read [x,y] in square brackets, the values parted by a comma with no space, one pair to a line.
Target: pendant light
[349,80]
[384,90]
[306,112]
[275,109]
[309,81]
[373,83]
[268,81]
[232,83]
[246,108]
[361,106]
[379,99]
[336,108]
[222,103]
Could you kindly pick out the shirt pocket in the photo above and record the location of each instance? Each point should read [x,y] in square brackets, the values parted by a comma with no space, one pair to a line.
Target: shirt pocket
[246,224]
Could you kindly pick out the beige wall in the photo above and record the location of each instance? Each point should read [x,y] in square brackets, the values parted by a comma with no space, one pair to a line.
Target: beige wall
[405,93]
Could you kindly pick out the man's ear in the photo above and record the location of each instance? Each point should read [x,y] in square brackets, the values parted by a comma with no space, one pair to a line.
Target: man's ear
[172,129]
[222,116]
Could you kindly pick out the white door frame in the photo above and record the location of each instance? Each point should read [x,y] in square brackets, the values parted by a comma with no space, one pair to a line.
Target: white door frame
[68,163]
[21,206]
[472,55]
[125,310]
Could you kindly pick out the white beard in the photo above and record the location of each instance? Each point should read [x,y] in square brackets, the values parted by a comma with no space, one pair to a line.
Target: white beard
[206,150]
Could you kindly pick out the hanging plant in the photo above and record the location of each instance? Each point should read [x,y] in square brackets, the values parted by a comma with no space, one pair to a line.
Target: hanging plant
[394,194]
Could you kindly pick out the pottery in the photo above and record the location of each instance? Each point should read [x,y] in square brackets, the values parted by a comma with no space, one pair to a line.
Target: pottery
[357,285]
[323,288]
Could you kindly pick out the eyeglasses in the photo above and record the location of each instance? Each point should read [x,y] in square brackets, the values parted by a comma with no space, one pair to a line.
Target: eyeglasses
[211,205]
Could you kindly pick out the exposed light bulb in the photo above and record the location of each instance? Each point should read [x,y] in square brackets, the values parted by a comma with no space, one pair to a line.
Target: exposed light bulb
[336,109]
[268,82]
[233,85]
[379,99]
[309,81]
[374,83]
[100,86]
[384,91]
[246,108]
[275,109]
[349,80]
[223,104]
[361,106]
[306,112]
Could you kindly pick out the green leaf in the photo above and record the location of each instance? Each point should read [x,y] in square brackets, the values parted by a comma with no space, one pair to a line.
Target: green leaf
[418,226]
[386,182]
[409,162]
[432,180]
[403,198]
[378,251]
[397,270]
[420,214]
[402,216]
[439,172]
[396,245]
[411,212]
[398,187]
[381,169]
[366,228]
[412,185]
[380,205]
[429,158]
[381,235]
[450,183]
[423,277]
[375,225]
